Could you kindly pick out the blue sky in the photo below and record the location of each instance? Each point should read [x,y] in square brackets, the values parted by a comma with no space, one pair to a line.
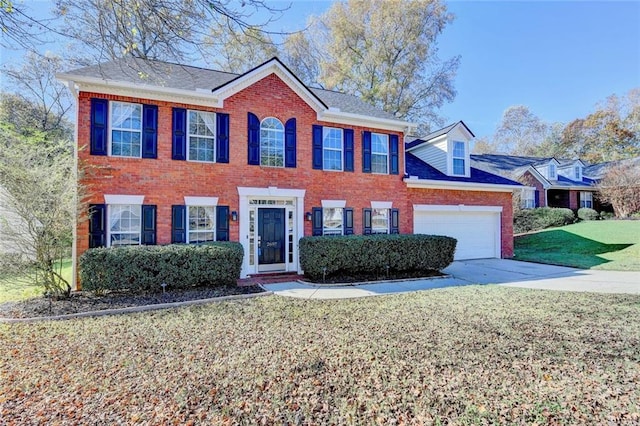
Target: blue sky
[558,58]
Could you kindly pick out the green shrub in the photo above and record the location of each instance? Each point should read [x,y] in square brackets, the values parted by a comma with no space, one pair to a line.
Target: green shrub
[145,268]
[585,213]
[607,215]
[384,254]
[535,219]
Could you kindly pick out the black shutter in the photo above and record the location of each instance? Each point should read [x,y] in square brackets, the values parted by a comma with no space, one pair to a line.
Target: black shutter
[366,152]
[537,199]
[347,223]
[97,225]
[222,138]
[149,131]
[222,223]
[178,224]
[179,141]
[99,128]
[290,143]
[366,221]
[317,147]
[253,139]
[316,222]
[395,221]
[394,166]
[348,149]
[149,216]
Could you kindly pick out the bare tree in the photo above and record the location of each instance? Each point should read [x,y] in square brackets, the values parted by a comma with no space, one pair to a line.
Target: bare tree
[19,29]
[520,132]
[43,101]
[238,51]
[620,187]
[172,30]
[38,186]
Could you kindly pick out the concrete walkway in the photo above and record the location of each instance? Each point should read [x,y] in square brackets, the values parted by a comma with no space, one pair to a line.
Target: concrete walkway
[505,272]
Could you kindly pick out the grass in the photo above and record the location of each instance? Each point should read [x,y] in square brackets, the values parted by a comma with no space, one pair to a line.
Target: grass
[610,244]
[13,288]
[467,355]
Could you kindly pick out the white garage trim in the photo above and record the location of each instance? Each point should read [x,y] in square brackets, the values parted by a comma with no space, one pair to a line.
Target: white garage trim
[477,228]
[458,208]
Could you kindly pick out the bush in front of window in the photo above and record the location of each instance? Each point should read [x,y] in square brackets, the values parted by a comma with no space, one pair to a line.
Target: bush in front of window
[585,213]
[382,255]
[541,218]
[146,268]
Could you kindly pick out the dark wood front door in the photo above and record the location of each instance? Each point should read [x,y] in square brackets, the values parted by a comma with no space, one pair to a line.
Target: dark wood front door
[271,227]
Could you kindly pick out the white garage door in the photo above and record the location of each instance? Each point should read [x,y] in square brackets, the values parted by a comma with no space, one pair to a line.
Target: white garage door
[477,228]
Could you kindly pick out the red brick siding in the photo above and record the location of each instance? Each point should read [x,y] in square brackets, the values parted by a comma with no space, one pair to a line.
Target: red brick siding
[470,198]
[574,203]
[530,180]
[165,182]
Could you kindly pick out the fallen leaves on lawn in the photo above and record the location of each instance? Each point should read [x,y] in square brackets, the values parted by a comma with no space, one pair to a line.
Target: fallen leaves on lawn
[472,355]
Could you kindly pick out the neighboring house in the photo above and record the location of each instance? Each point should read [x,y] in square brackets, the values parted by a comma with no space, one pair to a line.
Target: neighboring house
[178,154]
[14,238]
[551,182]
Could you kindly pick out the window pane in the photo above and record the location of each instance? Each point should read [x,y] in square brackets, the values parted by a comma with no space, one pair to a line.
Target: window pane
[378,163]
[332,221]
[126,129]
[380,221]
[271,143]
[124,224]
[202,128]
[458,166]
[458,150]
[201,224]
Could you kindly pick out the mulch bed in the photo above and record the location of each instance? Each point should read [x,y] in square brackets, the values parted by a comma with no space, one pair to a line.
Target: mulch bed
[81,301]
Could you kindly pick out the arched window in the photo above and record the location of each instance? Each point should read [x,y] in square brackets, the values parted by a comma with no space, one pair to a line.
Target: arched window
[271,142]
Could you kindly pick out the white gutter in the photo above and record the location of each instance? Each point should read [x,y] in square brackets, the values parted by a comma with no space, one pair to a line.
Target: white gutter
[462,186]
[336,116]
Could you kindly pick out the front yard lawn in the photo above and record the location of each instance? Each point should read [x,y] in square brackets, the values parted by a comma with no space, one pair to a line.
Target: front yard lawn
[13,287]
[610,244]
[468,355]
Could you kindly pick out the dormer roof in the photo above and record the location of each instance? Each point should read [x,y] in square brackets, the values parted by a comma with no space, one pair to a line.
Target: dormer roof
[436,134]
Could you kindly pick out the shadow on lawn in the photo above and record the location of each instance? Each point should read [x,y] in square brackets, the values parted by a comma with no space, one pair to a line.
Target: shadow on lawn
[564,248]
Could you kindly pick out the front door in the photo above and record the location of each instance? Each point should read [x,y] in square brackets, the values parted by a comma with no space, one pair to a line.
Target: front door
[271,239]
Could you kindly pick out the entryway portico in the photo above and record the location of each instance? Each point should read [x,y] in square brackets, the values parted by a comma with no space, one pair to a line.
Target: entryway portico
[271,224]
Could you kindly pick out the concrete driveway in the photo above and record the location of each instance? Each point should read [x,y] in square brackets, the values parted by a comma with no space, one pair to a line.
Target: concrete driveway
[505,272]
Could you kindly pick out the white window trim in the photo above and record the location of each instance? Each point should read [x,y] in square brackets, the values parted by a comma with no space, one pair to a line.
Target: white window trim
[123,199]
[388,153]
[328,204]
[466,158]
[554,175]
[283,142]
[578,175]
[528,195]
[341,150]
[583,199]
[388,227]
[215,130]
[382,204]
[111,128]
[201,201]
[188,231]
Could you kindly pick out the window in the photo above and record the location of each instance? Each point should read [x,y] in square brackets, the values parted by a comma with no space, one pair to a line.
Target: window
[332,219]
[552,171]
[528,198]
[124,224]
[379,221]
[126,129]
[201,139]
[577,172]
[201,224]
[459,158]
[331,148]
[379,153]
[586,199]
[271,143]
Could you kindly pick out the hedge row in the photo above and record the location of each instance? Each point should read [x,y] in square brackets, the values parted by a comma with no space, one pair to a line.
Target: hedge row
[541,218]
[353,254]
[145,268]
[585,213]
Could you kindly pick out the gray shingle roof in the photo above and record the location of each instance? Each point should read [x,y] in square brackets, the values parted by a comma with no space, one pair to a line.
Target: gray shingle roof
[597,171]
[184,77]
[417,167]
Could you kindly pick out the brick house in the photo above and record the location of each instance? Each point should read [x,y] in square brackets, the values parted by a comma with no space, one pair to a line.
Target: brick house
[550,182]
[178,154]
